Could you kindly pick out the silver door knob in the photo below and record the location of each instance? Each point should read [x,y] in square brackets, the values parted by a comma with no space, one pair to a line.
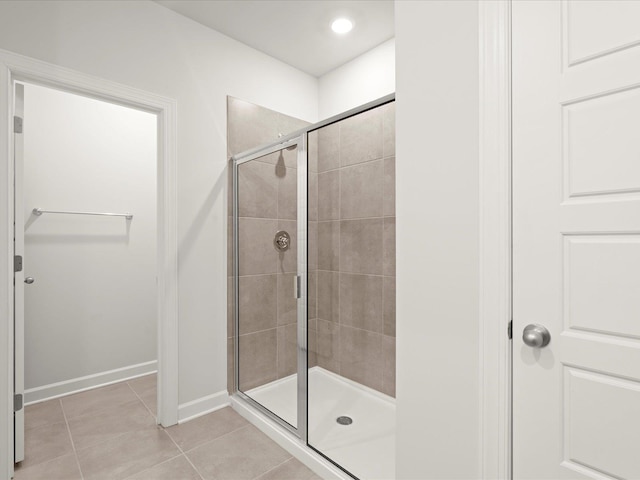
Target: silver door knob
[536,336]
[29,280]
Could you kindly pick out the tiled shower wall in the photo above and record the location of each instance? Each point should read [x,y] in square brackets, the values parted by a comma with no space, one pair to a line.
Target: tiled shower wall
[355,246]
[351,248]
[267,203]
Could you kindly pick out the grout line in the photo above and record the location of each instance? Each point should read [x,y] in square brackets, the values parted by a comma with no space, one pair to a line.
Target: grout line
[73,445]
[217,438]
[273,468]
[264,330]
[182,452]
[153,466]
[382,157]
[155,417]
[194,467]
[355,328]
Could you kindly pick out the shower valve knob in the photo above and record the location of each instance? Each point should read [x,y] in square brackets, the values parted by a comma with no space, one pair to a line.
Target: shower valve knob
[29,280]
[282,241]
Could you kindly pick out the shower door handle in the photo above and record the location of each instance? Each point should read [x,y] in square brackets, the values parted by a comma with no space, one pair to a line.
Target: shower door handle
[29,280]
[296,286]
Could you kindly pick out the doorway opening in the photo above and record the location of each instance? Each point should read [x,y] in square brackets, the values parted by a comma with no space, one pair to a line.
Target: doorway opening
[86,214]
[17,72]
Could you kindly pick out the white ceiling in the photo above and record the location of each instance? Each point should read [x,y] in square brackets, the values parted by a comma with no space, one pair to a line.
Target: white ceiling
[298,32]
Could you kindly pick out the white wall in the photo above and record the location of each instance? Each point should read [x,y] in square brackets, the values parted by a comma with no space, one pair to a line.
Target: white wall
[438,400]
[142,44]
[363,79]
[92,307]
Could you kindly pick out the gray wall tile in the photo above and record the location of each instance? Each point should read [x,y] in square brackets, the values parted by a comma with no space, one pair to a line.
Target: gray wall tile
[328,345]
[257,190]
[389,129]
[329,195]
[329,148]
[361,301]
[389,189]
[287,307]
[258,356]
[312,245]
[361,246]
[328,245]
[312,196]
[312,294]
[312,148]
[249,125]
[361,356]
[312,345]
[361,191]
[287,350]
[389,253]
[389,307]
[361,138]
[257,303]
[287,203]
[257,255]
[328,295]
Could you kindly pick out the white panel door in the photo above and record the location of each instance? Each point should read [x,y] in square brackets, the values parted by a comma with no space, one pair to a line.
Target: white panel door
[576,238]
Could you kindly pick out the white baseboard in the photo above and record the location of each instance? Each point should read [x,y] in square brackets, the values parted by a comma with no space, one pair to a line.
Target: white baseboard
[292,444]
[80,384]
[202,406]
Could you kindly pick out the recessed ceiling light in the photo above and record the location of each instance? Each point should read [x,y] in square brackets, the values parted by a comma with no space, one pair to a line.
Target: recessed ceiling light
[342,26]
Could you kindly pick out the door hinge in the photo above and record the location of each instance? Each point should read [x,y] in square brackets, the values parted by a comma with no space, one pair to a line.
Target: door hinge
[17,263]
[510,330]
[17,402]
[17,124]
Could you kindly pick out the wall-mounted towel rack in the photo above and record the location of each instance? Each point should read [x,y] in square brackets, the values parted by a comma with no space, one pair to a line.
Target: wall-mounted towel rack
[39,211]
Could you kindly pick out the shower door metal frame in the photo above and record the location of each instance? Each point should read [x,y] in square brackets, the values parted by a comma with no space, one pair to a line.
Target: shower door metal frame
[300,138]
[300,141]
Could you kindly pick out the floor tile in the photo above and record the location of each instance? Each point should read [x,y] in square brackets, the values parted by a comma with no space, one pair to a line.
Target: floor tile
[61,468]
[289,470]
[178,468]
[144,384]
[93,401]
[44,413]
[91,429]
[46,443]
[126,454]
[241,455]
[150,399]
[206,428]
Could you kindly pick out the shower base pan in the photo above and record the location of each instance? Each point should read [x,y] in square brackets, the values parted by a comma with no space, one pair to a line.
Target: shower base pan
[365,446]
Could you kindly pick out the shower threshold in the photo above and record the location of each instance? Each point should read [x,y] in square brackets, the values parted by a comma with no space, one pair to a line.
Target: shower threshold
[366,446]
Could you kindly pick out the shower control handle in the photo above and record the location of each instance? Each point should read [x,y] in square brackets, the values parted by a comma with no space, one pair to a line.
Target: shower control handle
[29,280]
[536,336]
[282,241]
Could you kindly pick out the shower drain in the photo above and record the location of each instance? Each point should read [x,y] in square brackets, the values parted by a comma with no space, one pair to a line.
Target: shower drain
[344,420]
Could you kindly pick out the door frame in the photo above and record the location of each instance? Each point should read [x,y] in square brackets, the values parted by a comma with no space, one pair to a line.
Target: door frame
[14,67]
[495,245]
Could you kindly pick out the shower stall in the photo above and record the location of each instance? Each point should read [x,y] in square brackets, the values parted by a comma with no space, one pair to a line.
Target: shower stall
[312,332]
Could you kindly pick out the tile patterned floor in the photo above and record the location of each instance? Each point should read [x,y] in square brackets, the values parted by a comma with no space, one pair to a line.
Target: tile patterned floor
[110,433]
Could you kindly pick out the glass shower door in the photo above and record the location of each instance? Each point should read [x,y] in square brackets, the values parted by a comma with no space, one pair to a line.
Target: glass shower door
[270,210]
